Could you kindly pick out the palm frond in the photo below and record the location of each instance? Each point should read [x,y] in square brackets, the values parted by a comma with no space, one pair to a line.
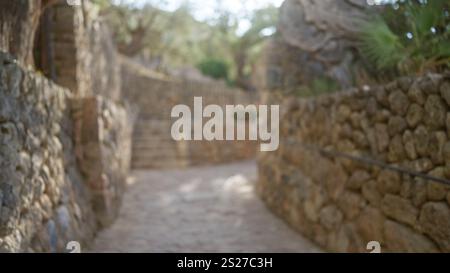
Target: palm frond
[425,16]
[381,45]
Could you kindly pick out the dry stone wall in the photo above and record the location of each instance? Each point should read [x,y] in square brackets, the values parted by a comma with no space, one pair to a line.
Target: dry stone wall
[333,178]
[42,198]
[63,168]
[74,48]
[70,55]
[103,149]
[155,95]
[18,21]
[64,147]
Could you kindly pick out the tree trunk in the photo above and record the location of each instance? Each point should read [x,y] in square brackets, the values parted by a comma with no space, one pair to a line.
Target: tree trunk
[240,60]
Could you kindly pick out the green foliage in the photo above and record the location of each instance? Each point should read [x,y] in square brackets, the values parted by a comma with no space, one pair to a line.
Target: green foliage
[174,39]
[166,39]
[246,48]
[214,68]
[318,86]
[381,45]
[410,36]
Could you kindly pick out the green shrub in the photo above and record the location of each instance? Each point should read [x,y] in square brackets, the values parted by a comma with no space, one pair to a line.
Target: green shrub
[214,68]
[318,86]
[409,37]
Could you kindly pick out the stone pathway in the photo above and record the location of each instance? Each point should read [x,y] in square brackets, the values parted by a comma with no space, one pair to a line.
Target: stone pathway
[206,209]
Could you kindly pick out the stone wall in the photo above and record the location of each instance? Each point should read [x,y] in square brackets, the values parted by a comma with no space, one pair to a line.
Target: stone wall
[18,21]
[69,41]
[364,165]
[103,149]
[74,48]
[104,68]
[42,197]
[64,147]
[155,95]
[63,168]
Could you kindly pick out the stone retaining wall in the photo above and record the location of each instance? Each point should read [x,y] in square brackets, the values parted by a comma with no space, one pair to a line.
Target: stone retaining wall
[76,50]
[64,147]
[342,203]
[103,149]
[18,22]
[55,187]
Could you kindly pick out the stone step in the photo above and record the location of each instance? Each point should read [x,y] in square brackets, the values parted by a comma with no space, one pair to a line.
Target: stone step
[152,156]
[148,138]
[152,126]
[153,131]
[159,143]
[158,165]
[153,148]
[149,133]
[157,160]
[148,147]
[145,121]
[154,153]
[165,130]
[153,137]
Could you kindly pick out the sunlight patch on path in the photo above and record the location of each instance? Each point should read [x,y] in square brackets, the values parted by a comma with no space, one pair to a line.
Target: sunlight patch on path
[206,209]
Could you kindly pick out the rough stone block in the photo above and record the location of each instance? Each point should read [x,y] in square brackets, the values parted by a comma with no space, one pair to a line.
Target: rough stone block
[351,204]
[435,222]
[437,142]
[399,209]
[370,224]
[399,102]
[396,151]
[435,112]
[416,94]
[346,239]
[330,217]
[396,125]
[422,140]
[388,181]
[400,238]
[408,142]
[445,92]
[357,179]
[371,193]
[316,198]
[415,115]
[437,191]
[447,123]
[382,136]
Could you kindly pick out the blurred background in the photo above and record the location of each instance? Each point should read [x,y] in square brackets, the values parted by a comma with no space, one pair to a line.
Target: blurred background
[86,155]
[225,39]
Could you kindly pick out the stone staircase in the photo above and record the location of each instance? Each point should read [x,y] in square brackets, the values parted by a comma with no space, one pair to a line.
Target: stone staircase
[153,146]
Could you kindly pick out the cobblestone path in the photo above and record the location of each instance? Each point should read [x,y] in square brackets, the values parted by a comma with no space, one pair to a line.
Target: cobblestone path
[206,209]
